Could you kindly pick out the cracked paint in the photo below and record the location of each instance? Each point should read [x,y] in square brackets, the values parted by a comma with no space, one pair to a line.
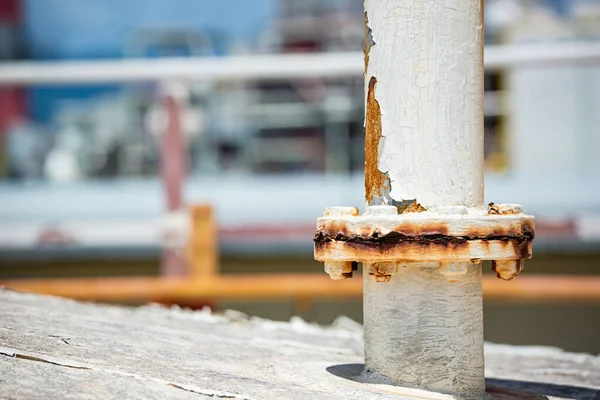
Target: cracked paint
[426,109]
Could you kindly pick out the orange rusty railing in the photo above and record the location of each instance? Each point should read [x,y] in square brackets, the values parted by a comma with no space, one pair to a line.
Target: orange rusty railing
[532,288]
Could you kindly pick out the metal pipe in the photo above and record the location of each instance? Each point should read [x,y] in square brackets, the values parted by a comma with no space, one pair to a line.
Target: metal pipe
[269,67]
[424,134]
[173,157]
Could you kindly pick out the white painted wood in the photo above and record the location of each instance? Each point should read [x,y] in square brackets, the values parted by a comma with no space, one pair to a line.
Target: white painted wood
[420,329]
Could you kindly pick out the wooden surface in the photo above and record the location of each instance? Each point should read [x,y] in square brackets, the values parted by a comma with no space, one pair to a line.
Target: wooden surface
[56,348]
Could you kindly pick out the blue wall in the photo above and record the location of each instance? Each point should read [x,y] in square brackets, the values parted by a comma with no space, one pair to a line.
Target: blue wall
[98,28]
[92,29]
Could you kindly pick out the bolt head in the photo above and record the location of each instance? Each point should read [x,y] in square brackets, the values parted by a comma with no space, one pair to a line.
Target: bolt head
[339,270]
[382,271]
[505,209]
[507,269]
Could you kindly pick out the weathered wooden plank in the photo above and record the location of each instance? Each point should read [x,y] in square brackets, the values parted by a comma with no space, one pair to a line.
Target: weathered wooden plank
[57,348]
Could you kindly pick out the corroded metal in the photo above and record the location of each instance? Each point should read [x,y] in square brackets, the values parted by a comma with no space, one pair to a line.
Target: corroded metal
[382,239]
[377,183]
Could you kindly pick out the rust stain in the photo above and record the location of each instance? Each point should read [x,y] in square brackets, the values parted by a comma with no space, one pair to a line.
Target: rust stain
[507,277]
[410,240]
[367,231]
[528,229]
[524,231]
[392,239]
[493,209]
[499,209]
[410,229]
[429,240]
[337,229]
[407,231]
[522,250]
[394,251]
[412,207]
[376,183]
[412,250]
[382,271]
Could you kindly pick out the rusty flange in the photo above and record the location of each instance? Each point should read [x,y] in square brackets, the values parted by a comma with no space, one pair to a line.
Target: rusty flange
[383,239]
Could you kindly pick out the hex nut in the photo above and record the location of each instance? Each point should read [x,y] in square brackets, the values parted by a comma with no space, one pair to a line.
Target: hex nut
[507,270]
[382,271]
[339,270]
[505,209]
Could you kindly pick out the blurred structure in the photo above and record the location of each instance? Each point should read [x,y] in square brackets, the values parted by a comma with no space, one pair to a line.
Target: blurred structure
[81,194]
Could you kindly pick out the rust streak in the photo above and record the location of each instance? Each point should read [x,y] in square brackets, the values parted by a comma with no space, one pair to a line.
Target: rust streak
[412,207]
[376,182]
[397,238]
[407,231]
[411,229]
[432,249]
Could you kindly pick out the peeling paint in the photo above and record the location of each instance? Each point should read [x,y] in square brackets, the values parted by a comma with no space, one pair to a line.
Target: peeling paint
[377,183]
[368,42]
[409,206]
[428,66]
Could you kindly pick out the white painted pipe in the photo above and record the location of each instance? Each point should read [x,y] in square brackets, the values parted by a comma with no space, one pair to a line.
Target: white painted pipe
[427,60]
[422,331]
[231,68]
[278,66]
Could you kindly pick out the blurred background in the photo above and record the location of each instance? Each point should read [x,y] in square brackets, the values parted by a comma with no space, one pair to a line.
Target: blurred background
[216,175]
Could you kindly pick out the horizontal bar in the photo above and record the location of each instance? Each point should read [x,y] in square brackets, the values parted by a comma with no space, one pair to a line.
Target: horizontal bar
[231,68]
[529,289]
[269,67]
